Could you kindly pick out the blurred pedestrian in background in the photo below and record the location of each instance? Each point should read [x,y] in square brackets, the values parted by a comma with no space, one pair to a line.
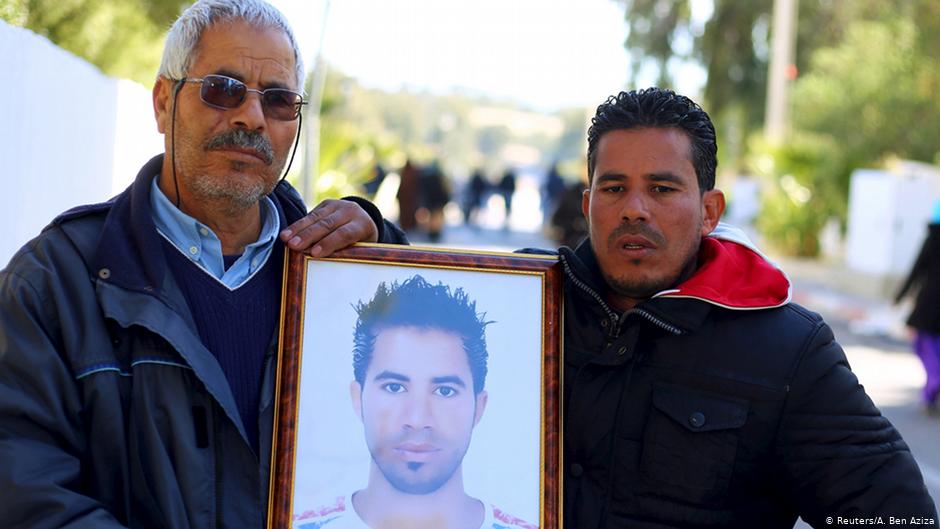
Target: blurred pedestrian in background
[568,225]
[372,185]
[923,283]
[507,186]
[552,190]
[473,197]
[408,196]
[435,194]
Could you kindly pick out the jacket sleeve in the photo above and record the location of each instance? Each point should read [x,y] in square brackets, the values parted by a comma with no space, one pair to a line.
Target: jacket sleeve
[388,232]
[841,457]
[41,434]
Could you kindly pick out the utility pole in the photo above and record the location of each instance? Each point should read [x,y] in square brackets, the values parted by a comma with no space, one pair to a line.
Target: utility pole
[782,70]
[312,118]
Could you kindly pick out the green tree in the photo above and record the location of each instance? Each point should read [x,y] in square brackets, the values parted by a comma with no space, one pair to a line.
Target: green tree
[655,26]
[123,38]
[875,95]
[733,45]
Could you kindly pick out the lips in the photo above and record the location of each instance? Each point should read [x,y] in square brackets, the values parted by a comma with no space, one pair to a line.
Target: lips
[635,246]
[416,447]
[635,242]
[416,451]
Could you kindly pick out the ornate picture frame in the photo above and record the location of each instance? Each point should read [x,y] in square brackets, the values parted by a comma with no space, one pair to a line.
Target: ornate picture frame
[381,400]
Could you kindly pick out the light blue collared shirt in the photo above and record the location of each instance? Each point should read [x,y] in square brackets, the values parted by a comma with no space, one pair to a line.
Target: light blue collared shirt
[200,244]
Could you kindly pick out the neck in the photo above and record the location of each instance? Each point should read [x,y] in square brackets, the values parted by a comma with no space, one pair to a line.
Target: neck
[382,506]
[622,303]
[625,302]
[235,226]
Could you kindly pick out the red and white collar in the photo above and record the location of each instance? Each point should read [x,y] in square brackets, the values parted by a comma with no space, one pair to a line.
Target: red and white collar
[734,274]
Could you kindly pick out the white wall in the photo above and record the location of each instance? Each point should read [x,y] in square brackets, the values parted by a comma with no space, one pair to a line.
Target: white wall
[888,215]
[70,136]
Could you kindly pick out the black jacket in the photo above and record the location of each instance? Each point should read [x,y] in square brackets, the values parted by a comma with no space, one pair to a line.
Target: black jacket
[720,404]
[924,280]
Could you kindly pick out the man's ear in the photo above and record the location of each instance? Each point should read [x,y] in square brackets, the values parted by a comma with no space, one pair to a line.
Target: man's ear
[163,103]
[355,395]
[480,407]
[713,206]
[586,204]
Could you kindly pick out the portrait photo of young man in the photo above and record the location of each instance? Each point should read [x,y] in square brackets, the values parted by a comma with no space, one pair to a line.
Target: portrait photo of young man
[420,387]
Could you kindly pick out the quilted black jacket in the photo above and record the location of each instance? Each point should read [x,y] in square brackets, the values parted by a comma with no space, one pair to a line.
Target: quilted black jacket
[712,406]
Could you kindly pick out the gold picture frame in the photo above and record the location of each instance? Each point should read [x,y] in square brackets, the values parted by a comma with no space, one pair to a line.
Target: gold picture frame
[326,449]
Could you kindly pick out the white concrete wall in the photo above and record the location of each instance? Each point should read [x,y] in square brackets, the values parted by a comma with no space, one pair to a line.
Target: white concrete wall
[70,136]
[888,215]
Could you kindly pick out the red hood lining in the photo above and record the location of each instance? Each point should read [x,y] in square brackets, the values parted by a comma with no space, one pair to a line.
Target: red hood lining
[734,276]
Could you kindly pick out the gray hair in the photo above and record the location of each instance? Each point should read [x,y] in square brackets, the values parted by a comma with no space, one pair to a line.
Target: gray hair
[184,35]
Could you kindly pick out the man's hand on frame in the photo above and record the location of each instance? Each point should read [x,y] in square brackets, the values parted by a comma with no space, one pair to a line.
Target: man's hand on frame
[331,226]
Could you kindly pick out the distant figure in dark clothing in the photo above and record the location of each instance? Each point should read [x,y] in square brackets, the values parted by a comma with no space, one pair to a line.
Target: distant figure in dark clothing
[378,176]
[924,283]
[408,196]
[435,194]
[473,196]
[552,190]
[507,186]
[569,227]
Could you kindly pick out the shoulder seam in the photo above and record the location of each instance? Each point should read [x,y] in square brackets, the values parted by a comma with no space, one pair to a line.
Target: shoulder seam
[82,211]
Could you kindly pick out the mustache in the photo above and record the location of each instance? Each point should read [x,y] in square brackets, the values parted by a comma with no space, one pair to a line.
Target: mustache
[243,139]
[641,229]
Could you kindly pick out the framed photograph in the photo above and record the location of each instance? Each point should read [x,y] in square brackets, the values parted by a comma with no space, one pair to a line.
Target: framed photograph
[418,388]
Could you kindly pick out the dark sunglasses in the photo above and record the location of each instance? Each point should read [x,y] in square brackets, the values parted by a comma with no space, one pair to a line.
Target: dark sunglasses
[224,92]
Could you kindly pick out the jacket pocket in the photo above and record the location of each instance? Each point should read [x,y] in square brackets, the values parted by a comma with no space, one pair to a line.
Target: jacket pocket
[689,444]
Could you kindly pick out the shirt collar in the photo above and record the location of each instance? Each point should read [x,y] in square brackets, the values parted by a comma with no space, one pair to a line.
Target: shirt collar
[200,244]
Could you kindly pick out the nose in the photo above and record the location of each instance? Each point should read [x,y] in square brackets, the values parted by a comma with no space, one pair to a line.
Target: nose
[418,413]
[634,207]
[250,114]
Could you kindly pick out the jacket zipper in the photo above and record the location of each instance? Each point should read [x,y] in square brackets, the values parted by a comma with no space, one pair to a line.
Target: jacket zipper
[656,321]
[611,315]
[616,320]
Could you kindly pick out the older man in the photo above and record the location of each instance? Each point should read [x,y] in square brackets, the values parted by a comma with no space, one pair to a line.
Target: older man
[137,336]
[696,394]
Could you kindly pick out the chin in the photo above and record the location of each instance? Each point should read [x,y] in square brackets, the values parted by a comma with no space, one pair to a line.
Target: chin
[240,196]
[630,285]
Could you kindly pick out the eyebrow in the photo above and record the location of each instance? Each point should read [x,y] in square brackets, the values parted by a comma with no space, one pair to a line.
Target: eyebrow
[455,380]
[654,177]
[398,377]
[235,75]
[665,177]
[229,73]
[607,177]
[391,375]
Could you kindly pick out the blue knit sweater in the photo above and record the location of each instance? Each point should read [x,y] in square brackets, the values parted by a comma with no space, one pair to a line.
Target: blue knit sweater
[237,326]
